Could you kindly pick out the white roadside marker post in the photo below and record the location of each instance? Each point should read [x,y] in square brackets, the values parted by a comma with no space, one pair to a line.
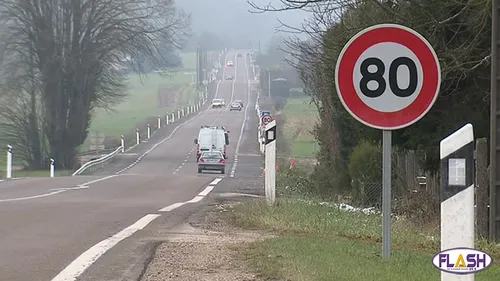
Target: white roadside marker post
[52,168]
[457,194]
[9,161]
[270,159]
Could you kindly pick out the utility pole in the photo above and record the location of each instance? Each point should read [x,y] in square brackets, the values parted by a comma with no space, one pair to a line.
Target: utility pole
[494,225]
[269,82]
[197,66]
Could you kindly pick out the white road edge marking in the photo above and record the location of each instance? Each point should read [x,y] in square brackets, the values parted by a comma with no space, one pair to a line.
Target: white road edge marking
[85,260]
[195,199]
[55,191]
[233,169]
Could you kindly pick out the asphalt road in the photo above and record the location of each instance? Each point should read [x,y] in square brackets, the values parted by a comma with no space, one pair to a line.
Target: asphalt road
[93,227]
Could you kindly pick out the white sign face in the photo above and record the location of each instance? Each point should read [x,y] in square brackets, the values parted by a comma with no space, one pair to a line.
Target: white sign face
[270,135]
[388,77]
[456,172]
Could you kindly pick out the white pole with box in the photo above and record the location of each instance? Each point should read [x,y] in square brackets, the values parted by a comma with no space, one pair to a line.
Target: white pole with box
[270,159]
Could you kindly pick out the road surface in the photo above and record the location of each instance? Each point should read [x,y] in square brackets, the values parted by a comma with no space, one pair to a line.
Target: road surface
[103,227]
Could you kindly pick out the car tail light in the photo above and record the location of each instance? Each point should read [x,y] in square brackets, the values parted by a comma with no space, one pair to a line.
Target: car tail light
[222,161]
[202,160]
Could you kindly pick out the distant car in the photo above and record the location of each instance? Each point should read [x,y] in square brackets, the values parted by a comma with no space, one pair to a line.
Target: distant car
[239,55]
[229,63]
[229,77]
[235,106]
[240,102]
[217,103]
[212,160]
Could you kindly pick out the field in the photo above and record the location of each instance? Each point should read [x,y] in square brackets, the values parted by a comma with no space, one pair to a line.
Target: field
[300,117]
[140,108]
[320,242]
[142,105]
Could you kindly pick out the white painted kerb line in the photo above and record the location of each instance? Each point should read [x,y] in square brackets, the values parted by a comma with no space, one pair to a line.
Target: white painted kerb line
[85,260]
[196,199]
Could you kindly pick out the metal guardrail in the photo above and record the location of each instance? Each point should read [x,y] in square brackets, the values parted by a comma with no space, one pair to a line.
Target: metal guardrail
[93,165]
[91,152]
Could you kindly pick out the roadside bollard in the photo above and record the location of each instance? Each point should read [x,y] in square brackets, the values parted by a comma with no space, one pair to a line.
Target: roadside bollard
[166,119]
[173,117]
[137,136]
[149,131]
[122,140]
[159,122]
[178,114]
[52,167]
[182,111]
[9,161]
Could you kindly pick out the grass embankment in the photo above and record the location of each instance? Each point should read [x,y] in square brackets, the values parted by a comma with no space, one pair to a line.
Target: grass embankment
[300,117]
[142,105]
[320,242]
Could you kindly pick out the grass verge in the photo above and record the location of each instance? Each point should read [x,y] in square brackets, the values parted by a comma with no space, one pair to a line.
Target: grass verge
[300,118]
[321,242]
[36,173]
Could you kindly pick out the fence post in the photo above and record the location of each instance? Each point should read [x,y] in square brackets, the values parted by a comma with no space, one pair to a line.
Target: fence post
[482,187]
[122,140]
[9,161]
[149,131]
[159,122]
[52,167]
[137,136]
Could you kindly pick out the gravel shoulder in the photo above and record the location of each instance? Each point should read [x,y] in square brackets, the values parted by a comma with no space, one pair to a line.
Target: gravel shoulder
[206,248]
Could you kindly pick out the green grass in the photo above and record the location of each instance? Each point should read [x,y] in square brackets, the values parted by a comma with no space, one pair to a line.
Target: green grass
[36,173]
[189,60]
[300,119]
[142,102]
[320,242]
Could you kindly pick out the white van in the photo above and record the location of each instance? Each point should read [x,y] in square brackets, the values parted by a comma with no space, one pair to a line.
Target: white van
[212,138]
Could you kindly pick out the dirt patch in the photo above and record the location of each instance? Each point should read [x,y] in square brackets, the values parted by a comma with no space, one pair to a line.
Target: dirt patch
[208,249]
[168,97]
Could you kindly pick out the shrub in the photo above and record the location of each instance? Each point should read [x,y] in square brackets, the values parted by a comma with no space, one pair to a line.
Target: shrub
[365,170]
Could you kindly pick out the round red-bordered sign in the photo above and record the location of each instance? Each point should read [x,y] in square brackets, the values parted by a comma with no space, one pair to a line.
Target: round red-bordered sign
[266,119]
[407,70]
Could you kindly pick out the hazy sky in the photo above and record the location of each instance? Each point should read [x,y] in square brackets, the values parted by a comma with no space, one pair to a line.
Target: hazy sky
[232,19]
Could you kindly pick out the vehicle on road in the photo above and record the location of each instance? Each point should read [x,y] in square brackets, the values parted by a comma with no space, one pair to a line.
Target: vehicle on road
[235,106]
[213,161]
[218,103]
[229,77]
[229,63]
[240,102]
[239,55]
[212,138]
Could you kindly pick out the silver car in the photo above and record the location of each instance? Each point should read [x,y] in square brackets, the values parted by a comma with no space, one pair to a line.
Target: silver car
[212,161]
[235,106]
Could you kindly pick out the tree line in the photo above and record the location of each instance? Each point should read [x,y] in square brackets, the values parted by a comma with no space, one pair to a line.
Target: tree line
[458,30]
[63,59]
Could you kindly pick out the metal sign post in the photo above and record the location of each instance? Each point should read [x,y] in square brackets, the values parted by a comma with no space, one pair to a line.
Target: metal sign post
[374,90]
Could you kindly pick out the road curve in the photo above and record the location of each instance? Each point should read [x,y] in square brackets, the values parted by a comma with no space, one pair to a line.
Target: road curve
[50,227]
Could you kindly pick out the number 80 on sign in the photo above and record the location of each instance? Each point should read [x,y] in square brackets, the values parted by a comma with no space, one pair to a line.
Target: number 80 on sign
[387,76]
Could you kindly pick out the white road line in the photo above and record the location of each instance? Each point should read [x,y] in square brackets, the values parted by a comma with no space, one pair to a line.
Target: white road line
[207,190]
[196,199]
[85,260]
[33,197]
[55,191]
[216,181]
[233,169]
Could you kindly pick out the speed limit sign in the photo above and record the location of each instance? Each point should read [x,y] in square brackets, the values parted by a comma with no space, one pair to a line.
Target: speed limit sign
[387,76]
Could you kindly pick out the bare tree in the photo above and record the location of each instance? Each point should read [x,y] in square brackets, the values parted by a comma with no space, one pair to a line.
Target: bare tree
[76,50]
